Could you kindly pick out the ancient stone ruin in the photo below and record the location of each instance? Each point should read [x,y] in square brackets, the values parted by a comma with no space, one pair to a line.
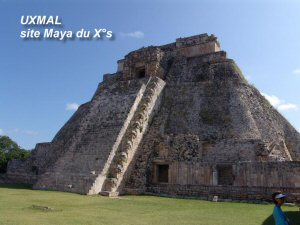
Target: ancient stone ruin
[178,119]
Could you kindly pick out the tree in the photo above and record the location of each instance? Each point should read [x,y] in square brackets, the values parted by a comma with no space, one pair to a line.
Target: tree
[10,150]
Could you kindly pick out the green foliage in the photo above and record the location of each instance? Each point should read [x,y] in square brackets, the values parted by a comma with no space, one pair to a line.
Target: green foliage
[10,150]
[33,207]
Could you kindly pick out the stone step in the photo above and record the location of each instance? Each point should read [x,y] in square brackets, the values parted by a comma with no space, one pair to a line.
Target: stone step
[109,193]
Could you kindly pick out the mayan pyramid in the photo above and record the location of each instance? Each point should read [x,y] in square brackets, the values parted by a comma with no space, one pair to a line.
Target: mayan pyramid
[176,119]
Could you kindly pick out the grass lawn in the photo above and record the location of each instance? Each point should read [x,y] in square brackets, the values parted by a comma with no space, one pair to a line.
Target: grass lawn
[21,205]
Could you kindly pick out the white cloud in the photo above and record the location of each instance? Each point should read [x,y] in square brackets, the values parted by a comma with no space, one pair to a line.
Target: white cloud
[296,71]
[16,130]
[248,77]
[279,103]
[73,106]
[30,132]
[26,132]
[274,100]
[19,131]
[135,34]
[288,106]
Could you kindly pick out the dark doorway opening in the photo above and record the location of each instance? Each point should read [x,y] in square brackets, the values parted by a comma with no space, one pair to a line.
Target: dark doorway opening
[225,175]
[163,173]
[34,170]
[140,72]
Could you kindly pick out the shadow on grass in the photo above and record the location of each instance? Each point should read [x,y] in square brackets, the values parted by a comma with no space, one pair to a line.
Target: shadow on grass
[294,217]
[16,186]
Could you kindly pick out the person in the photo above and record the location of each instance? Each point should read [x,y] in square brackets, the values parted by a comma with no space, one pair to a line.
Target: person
[279,217]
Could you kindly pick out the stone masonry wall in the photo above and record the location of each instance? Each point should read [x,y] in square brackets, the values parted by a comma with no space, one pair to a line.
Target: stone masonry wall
[252,181]
[27,171]
[147,59]
[267,174]
[211,114]
[95,135]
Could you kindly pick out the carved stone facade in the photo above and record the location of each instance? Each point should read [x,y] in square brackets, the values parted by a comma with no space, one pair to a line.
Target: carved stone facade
[178,119]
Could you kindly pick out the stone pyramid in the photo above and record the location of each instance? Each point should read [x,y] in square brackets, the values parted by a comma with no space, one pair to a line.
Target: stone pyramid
[177,119]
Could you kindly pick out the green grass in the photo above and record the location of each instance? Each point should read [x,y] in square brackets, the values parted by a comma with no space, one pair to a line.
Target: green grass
[21,205]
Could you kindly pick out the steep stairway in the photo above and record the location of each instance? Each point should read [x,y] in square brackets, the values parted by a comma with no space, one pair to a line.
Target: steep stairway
[124,155]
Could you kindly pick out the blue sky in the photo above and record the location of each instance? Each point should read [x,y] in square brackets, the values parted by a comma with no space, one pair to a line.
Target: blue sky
[42,82]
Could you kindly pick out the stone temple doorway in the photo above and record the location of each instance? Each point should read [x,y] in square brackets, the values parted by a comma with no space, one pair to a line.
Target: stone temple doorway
[140,72]
[161,173]
[225,175]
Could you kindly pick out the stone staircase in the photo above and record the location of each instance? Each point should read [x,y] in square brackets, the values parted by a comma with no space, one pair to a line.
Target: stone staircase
[92,163]
[124,155]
